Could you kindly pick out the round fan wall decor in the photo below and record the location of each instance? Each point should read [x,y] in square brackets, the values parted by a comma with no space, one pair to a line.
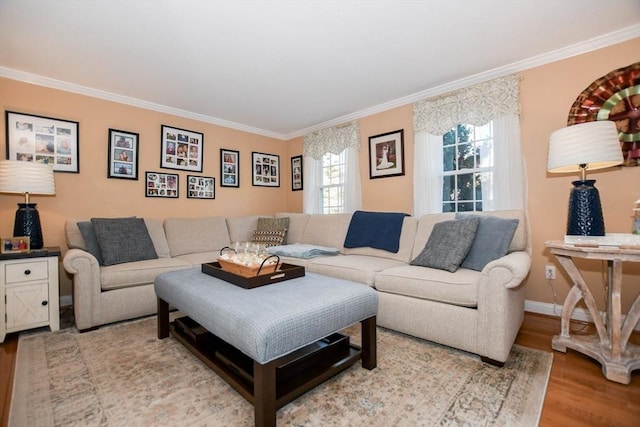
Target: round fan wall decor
[616,97]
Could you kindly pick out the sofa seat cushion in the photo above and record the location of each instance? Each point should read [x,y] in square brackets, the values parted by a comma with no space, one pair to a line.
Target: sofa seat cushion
[138,273]
[459,288]
[294,261]
[200,258]
[357,268]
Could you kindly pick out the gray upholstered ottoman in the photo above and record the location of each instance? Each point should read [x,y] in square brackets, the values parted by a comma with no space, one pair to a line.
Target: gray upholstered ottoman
[270,324]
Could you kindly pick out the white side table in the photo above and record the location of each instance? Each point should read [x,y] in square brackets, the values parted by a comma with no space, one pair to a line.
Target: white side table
[29,290]
[610,346]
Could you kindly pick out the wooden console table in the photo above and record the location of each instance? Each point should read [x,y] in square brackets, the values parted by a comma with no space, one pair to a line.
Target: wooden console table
[610,346]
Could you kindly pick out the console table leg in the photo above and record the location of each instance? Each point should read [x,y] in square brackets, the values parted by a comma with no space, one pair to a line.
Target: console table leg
[264,394]
[163,319]
[614,308]
[369,348]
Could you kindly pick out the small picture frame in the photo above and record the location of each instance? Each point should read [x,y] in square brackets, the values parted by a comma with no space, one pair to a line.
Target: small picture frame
[229,168]
[201,187]
[181,149]
[158,184]
[265,169]
[16,245]
[32,138]
[386,154]
[123,154]
[296,173]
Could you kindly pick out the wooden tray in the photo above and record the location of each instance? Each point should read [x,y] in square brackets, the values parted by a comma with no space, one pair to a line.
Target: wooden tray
[246,271]
[284,272]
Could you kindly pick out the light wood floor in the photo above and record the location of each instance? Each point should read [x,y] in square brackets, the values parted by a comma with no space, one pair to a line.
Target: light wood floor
[577,395]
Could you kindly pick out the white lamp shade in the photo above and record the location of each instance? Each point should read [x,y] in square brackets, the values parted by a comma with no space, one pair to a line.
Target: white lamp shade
[26,177]
[595,144]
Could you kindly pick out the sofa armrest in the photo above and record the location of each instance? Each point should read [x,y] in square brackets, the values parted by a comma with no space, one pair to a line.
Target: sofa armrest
[501,304]
[509,271]
[86,286]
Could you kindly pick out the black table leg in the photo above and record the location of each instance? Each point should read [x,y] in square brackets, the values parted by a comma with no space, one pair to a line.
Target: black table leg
[264,394]
[369,350]
[163,319]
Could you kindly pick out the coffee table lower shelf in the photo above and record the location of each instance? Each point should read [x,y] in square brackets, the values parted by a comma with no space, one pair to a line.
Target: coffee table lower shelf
[295,373]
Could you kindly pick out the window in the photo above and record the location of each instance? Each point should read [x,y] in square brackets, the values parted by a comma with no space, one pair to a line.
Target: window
[483,168]
[332,183]
[467,165]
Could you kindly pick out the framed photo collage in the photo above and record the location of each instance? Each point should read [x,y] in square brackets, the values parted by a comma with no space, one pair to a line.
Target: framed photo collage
[55,141]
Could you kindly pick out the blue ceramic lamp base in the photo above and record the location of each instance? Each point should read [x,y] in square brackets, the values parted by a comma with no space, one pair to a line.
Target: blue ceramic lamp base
[585,211]
[27,223]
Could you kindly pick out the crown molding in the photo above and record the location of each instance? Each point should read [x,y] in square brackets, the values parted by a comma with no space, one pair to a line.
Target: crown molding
[609,39]
[134,102]
[600,42]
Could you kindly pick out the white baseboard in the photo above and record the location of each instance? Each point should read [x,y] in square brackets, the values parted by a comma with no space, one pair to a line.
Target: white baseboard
[578,314]
[530,306]
[66,300]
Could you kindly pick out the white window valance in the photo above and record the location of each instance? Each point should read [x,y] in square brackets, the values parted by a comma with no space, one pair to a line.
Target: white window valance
[332,140]
[476,105]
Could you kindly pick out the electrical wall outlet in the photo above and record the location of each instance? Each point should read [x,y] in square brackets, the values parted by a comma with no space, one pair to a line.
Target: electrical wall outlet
[550,272]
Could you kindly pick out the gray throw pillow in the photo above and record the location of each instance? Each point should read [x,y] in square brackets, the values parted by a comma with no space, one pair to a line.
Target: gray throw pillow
[123,240]
[90,241]
[448,244]
[492,240]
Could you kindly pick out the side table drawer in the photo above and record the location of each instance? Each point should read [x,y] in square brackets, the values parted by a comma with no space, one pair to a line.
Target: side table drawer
[26,271]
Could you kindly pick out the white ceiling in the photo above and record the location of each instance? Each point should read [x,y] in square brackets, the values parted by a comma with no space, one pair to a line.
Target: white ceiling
[283,68]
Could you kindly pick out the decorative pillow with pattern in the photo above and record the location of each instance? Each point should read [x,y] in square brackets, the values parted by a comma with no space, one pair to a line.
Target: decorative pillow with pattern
[274,224]
[269,237]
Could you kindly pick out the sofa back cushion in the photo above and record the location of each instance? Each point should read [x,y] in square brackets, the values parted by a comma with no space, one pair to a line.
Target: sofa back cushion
[297,224]
[241,228]
[327,230]
[190,235]
[72,234]
[409,225]
[156,232]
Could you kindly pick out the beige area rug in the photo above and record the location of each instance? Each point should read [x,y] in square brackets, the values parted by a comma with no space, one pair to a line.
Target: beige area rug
[122,375]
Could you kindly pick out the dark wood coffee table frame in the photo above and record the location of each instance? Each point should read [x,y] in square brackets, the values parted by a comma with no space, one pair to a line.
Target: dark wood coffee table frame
[264,392]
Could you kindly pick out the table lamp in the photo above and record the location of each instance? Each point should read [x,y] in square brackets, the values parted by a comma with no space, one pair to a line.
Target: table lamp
[27,178]
[591,145]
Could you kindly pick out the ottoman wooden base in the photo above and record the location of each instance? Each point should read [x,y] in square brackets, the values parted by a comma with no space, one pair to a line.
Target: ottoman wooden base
[272,385]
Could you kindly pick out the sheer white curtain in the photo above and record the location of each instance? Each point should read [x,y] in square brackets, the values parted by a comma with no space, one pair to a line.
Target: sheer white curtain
[312,178]
[332,140]
[427,180]
[509,176]
[352,190]
[496,100]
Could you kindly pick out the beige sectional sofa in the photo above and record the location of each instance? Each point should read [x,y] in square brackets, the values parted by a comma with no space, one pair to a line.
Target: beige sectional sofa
[475,311]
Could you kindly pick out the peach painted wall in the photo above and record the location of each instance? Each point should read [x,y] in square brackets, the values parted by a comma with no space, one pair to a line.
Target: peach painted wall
[547,93]
[91,194]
